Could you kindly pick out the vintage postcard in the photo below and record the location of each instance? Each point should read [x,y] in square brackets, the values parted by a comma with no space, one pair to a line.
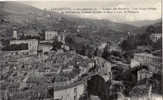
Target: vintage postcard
[81,50]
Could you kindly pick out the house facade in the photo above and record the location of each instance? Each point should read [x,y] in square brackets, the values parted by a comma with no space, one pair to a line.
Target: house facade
[50,35]
[72,92]
[143,74]
[45,47]
[153,62]
[155,36]
[32,45]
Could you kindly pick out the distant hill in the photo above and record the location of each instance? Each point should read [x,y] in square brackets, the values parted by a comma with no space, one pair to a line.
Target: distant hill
[25,17]
[143,22]
[157,26]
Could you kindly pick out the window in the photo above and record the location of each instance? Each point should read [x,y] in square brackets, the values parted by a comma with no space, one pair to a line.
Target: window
[75,93]
[75,90]
[75,97]
[145,75]
[140,76]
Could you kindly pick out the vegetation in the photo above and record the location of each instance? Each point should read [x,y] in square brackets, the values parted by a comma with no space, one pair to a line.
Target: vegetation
[140,39]
[130,44]
[56,44]
[81,45]
[83,35]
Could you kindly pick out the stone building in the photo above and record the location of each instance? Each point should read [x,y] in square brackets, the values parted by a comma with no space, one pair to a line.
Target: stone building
[45,47]
[61,38]
[104,67]
[134,63]
[143,92]
[50,35]
[32,45]
[71,92]
[154,64]
[155,36]
[19,52]
[143,74]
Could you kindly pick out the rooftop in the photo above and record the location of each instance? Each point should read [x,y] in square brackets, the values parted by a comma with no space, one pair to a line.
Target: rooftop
[24,40]
[34,78]
[69,86]
[146,54]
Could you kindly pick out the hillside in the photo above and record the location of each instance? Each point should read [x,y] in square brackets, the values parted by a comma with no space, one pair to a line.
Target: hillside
[157,26]
[30,20]
[143,22]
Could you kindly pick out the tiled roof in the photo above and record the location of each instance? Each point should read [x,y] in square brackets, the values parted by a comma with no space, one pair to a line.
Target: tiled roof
[69,86]
[34,78]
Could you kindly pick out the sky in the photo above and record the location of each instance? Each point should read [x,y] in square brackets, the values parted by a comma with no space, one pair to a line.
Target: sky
[149,14]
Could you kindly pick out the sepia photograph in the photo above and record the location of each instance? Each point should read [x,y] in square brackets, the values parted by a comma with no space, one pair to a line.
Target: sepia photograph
[81,50]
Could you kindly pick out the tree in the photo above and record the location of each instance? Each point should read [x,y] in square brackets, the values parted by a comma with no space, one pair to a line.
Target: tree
[56,45]
[128,44]
[150,29]
[145,37]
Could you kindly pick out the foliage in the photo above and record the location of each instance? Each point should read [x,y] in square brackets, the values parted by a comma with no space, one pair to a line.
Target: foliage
[56,45]
[143,39]
[81,45]
[150,29]
[128,44]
